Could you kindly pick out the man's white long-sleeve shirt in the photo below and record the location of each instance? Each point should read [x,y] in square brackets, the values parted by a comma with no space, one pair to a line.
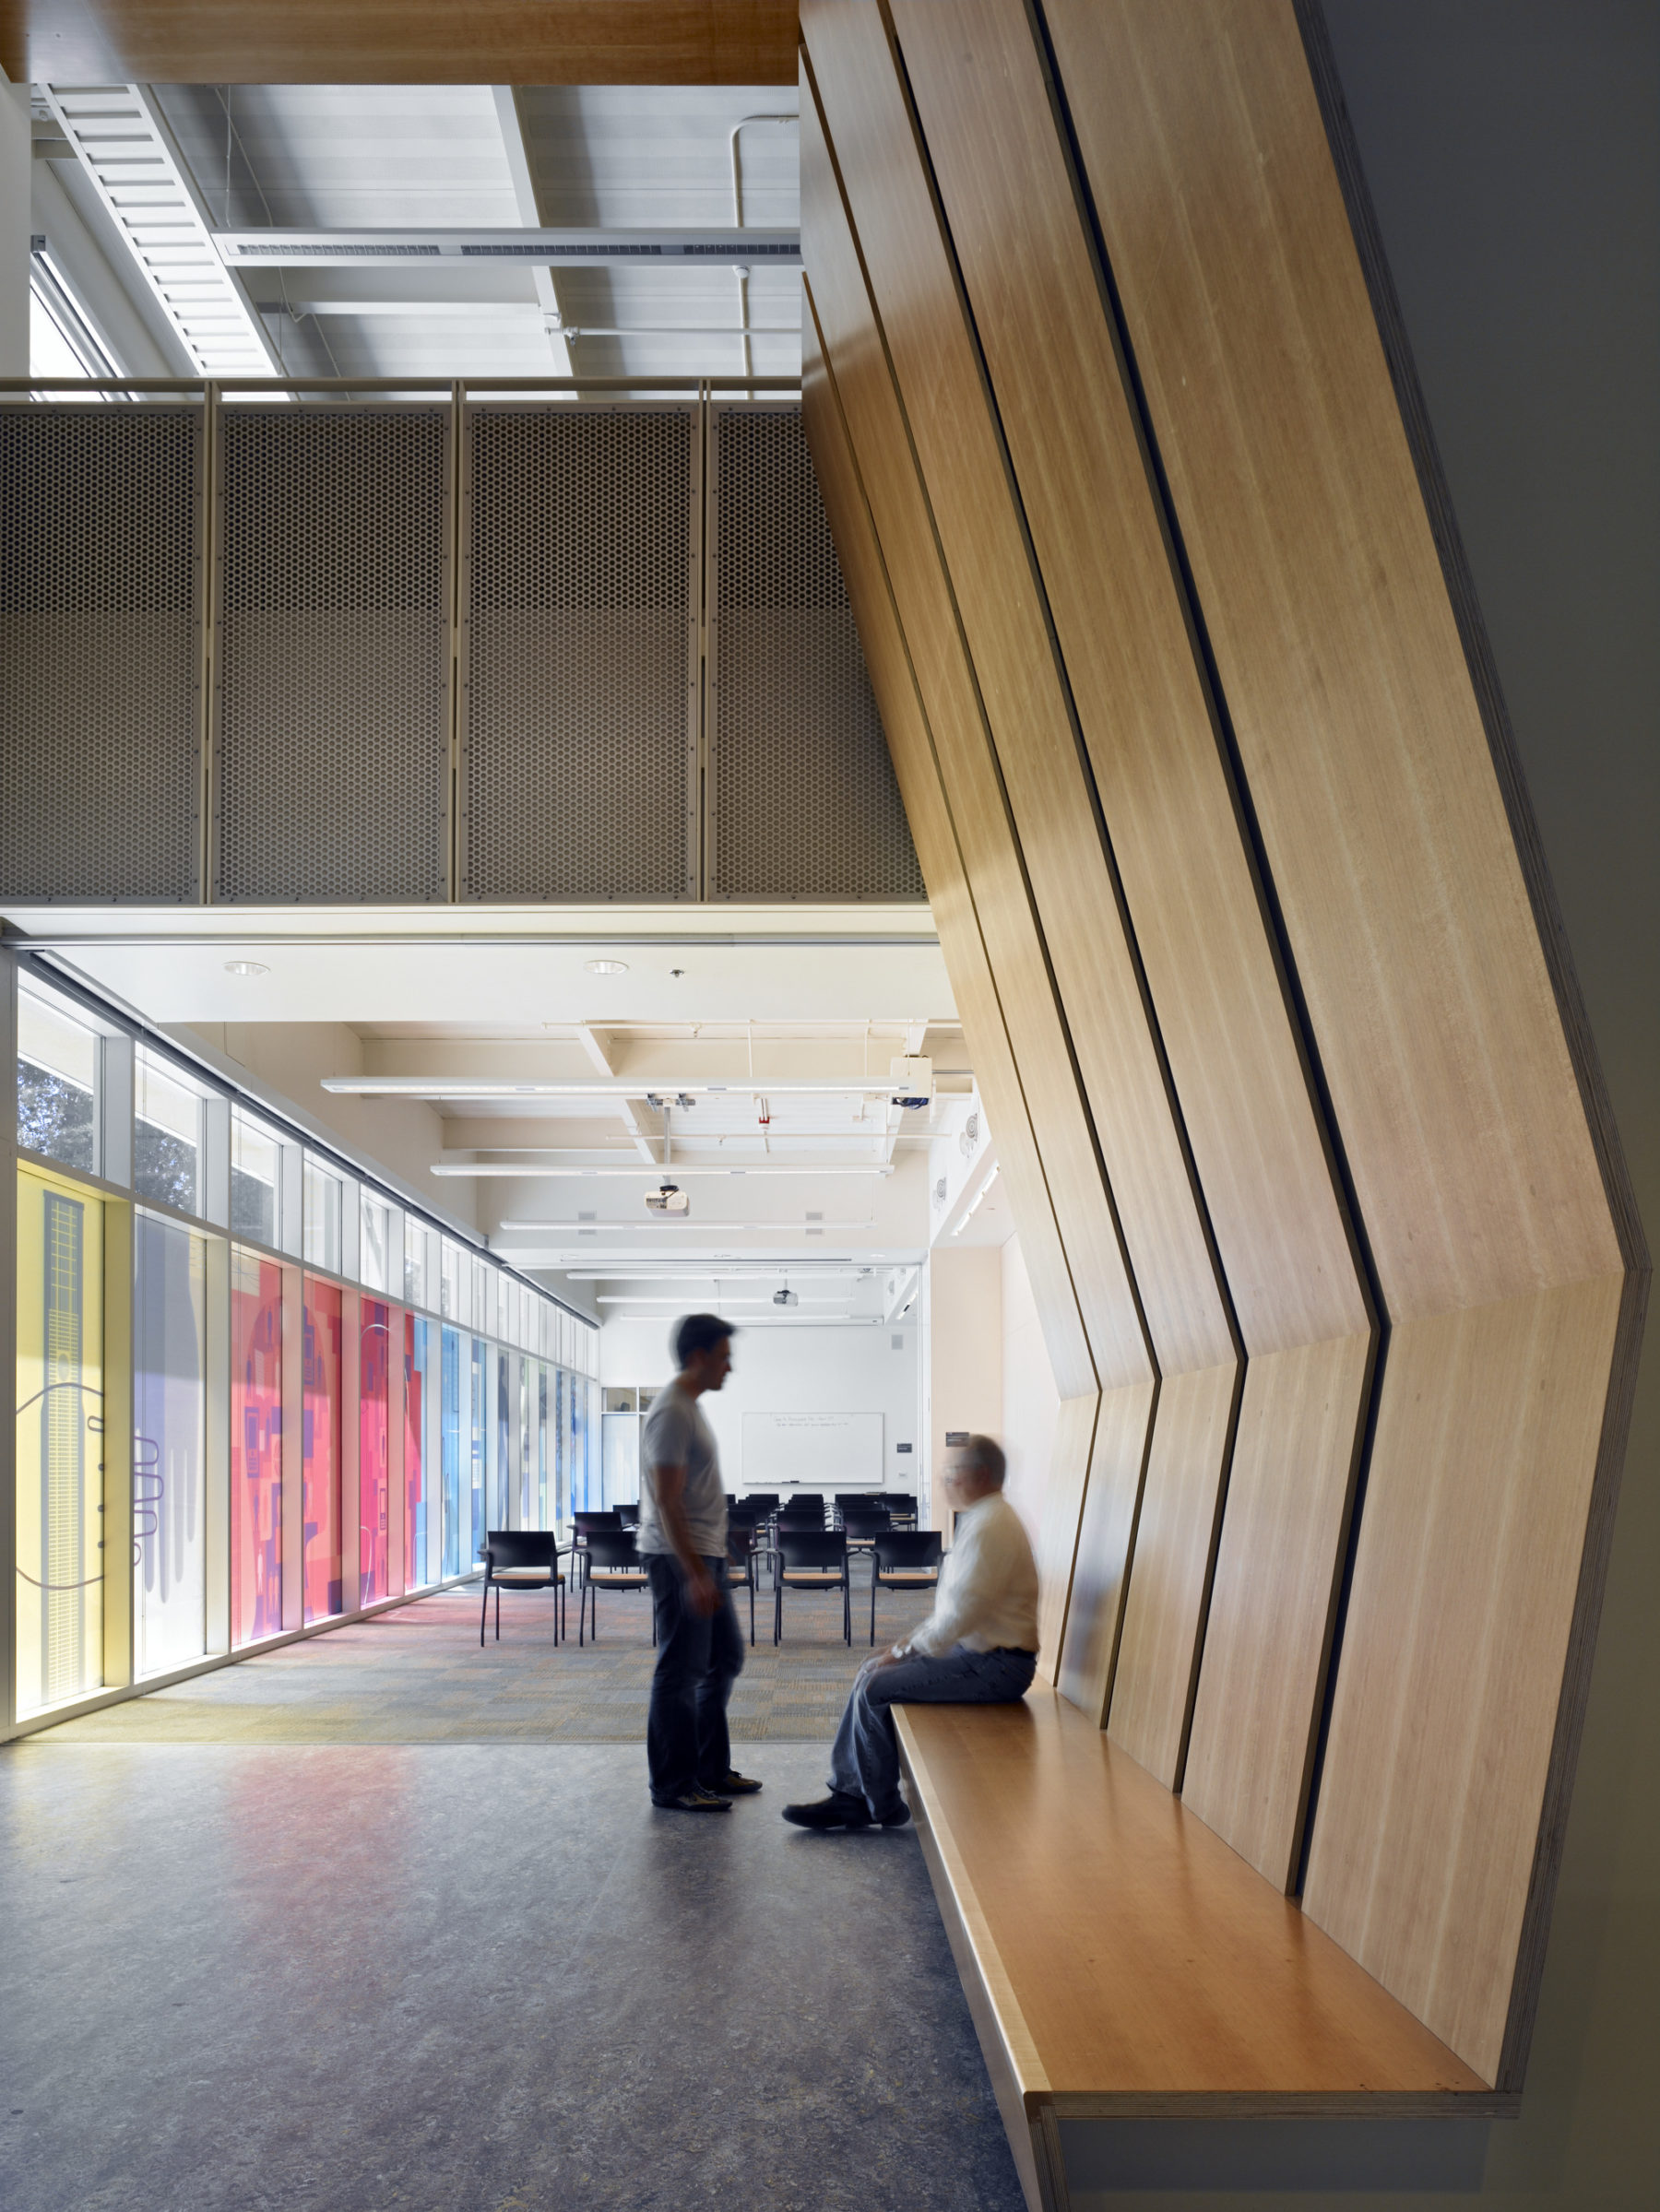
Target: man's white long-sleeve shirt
[988,1594]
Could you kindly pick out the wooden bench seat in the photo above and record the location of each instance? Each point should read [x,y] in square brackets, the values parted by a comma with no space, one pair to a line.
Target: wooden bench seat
[1121,1961]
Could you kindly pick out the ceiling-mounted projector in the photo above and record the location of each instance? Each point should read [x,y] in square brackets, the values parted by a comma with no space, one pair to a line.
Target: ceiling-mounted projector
[913,1083]
[784,1297]
[671,1199]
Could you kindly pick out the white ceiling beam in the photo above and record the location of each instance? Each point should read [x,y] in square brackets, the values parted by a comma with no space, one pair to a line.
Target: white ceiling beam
[608,1087]
[524,192]
[599,1051]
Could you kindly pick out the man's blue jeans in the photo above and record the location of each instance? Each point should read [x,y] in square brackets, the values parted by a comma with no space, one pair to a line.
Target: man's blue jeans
[699,1658]
[865,1762]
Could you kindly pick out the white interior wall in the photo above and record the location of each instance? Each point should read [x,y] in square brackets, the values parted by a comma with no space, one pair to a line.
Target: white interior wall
[1031,1404]
[796,1369]
[965,1353]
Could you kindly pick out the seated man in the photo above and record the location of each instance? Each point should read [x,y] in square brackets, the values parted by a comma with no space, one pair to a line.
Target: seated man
[979,1646]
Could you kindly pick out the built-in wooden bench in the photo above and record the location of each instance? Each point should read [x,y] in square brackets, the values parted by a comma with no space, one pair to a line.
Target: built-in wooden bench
[1122,1962]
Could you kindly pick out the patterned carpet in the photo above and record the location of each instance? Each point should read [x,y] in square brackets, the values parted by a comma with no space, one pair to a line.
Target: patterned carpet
[416,1676]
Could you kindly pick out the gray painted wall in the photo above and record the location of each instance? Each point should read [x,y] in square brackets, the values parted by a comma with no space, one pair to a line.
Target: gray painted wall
[1514,152]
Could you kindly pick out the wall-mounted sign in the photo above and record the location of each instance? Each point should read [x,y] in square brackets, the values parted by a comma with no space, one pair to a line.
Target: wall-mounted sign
[956,1439]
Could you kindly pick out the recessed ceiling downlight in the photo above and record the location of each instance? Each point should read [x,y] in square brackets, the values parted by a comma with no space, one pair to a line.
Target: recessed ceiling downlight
[246,967]
[608,967]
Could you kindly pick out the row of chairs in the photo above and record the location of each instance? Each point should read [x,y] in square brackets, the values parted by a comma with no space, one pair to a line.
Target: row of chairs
[604,1555]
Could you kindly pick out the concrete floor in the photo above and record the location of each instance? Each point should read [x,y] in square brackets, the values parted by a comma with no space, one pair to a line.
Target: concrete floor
[467,1978]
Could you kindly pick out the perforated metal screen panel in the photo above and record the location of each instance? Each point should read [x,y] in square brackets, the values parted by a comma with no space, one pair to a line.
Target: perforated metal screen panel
[579,653]
[331,760]
[99,750]
[802,800]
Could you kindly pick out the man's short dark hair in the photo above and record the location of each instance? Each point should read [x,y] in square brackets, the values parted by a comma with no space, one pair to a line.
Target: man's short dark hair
[985,1455]
[699,1332]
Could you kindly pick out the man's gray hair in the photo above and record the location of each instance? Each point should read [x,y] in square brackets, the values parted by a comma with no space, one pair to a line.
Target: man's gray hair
[985,1455]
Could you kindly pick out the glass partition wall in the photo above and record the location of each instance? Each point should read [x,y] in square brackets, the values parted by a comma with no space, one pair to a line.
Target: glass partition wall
[254,1393]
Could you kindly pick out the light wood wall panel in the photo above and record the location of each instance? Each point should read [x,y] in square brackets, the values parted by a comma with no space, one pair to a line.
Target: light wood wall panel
[905,720]
[1423,933]
[1265,1648]
[981,99]
[1157,1668]
[1049,795]
[1337,648]
[850,336]
[1057,1547]
[1125,1434]
[1188,873]
[1465,1585]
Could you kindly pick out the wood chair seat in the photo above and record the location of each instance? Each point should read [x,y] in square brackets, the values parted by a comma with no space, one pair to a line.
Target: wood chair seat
[1122,1962]
[829,1577]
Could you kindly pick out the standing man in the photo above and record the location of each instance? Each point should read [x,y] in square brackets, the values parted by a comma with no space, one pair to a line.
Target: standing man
[978,1647]
[683,1538]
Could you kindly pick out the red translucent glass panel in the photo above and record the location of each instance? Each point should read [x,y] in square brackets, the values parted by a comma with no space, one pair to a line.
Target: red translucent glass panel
[320,1485]
[374,1453]
[418,1532]
[256,1448]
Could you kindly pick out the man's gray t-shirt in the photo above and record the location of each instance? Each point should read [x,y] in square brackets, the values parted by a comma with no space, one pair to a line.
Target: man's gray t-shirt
[676,1435]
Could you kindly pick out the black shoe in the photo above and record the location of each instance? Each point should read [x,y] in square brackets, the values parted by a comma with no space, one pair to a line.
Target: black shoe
[733,1785]
[694,1801]
[833,1812]
[897,1818]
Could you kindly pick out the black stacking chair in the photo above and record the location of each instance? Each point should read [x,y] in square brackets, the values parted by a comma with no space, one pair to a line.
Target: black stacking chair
[521,1559]
[742,1552]
[806,1501]
[813,1559]
[629,1514]
[863,1524]
[766,1500]
[581,1526]
[901,1504]
[904,1559]
[611,1561]
[854,1501]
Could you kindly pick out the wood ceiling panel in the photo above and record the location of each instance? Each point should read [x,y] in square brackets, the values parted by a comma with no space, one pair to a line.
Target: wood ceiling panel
[1171,810]
[850,336]
[1047,788]
[402,42]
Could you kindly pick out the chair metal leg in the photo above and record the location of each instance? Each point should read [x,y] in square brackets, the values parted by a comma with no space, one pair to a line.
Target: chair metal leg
[484,1613]
[873,1582]
[498,1616]
[752,1591]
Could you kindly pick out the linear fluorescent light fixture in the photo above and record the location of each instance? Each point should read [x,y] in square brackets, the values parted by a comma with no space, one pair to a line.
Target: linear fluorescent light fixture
[653,1171]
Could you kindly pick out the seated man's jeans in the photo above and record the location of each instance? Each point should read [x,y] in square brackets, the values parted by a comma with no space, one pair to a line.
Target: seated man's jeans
[865,1762]
[699,1657]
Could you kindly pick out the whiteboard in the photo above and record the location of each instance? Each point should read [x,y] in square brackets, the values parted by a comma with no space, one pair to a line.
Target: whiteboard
[812,1450]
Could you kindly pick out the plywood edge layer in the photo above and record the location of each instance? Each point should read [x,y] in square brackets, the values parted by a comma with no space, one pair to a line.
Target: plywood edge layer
[1216,2104]
[960,1905]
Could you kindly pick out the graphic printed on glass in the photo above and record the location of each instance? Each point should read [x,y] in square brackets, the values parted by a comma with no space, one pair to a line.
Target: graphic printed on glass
[60,1445]
[256,1448]
[170,1358]
[320,1555]
[375,1454]
[419,1568]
